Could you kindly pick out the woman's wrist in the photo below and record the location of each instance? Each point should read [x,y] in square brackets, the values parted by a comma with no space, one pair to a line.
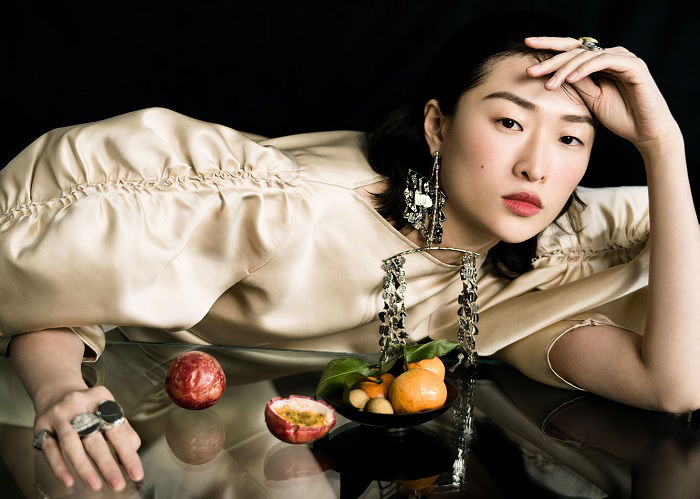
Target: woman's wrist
[48,364]
[655,149]
[50,394]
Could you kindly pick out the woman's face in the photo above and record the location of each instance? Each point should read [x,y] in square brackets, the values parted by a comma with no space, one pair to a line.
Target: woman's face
[508,135]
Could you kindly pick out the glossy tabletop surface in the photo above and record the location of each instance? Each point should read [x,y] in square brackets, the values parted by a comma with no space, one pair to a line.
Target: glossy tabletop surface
[506,436]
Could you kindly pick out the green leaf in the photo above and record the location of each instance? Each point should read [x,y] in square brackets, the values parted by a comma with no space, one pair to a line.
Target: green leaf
[352,380]
[336,371]
[435,348]
[386,367]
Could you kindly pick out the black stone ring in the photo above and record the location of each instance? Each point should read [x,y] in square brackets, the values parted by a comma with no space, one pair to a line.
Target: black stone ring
[110,413]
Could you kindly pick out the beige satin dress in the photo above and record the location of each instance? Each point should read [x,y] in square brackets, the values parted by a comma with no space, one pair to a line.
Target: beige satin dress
[176,229]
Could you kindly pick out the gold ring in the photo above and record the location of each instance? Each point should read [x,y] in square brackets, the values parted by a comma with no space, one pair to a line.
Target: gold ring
[584,39]
[589,43]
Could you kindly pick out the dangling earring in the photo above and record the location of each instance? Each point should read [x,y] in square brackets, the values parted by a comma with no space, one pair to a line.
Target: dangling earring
[424,199]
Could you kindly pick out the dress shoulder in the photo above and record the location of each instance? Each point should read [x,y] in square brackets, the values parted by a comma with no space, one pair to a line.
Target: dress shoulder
[336,157]
[140,219]
[614,227]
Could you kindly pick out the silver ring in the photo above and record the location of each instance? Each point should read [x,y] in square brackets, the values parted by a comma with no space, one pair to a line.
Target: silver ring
[40,437]
[590,43]
[110,413]
[86,424]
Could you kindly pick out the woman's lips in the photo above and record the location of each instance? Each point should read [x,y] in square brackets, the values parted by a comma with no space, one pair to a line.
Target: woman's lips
[522,208]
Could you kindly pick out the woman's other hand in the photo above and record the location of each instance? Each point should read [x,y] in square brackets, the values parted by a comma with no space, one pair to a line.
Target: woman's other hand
[627,102]
[56,415]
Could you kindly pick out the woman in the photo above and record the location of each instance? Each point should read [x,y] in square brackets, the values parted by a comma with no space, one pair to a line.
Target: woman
[122,222]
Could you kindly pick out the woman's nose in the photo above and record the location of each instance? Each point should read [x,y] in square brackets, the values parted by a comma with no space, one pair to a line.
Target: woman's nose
[533,163]
[533,173]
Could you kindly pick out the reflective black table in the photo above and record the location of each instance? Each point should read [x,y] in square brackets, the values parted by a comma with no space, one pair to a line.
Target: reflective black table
[507,436]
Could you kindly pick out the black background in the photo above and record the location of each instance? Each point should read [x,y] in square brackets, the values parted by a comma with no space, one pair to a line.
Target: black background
[278,68]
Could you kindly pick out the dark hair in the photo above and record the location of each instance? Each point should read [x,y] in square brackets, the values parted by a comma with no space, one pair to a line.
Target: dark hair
[396,142]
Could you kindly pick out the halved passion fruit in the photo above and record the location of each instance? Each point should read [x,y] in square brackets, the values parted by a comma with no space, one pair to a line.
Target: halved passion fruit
[298,419]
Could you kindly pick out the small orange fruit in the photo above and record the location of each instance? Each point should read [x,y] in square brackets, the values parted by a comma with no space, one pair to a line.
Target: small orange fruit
[435,365]
[417,390]
[378,390]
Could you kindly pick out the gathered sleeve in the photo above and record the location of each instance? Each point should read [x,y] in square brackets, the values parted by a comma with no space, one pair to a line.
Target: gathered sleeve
[596,276]
[143,219]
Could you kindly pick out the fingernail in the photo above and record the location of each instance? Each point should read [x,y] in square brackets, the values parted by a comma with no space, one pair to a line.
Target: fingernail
[572,76]
[136,473]
[68,480]
[536,67]
[95,483]
[117,484]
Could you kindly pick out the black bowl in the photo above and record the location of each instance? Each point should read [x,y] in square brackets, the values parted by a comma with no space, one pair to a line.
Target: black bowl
[393,421]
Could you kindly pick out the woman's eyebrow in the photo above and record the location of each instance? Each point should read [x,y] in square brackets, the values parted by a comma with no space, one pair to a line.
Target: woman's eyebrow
[531,106]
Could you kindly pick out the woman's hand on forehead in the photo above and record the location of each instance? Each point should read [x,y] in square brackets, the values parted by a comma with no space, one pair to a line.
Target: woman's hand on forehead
[627,100]
[569,72]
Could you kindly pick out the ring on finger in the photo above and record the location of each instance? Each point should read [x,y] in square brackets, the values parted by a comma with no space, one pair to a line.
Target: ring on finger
[86,424]
[40,437]
[110,413]
[589,43]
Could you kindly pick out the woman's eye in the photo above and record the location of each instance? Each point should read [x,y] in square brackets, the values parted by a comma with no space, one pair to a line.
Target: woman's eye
[569,137]
[508,123]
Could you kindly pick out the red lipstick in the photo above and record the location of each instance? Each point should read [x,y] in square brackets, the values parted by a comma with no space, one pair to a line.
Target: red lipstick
[523,203]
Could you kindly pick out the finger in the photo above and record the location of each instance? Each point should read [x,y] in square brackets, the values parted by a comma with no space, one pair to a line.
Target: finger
[619,50]
[624,67]
[72,446]
[565,44]
[550,65]
[561,65]
[97,448]
[591,92]
[588,90]
[570,69]
[126,442]
[553,42]
[135,439]
[52,453]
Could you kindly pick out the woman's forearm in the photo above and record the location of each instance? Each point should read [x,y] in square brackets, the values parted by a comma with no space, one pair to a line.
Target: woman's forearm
[671,343]
[48,363]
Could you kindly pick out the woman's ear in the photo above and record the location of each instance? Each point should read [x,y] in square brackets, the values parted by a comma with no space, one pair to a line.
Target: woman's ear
[434,124]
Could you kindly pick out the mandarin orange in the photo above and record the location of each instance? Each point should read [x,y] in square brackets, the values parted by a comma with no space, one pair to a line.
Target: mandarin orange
[417,390]
[435,365]
[378,390]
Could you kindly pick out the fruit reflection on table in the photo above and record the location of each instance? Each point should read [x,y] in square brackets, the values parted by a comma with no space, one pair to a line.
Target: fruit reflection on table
[346,451]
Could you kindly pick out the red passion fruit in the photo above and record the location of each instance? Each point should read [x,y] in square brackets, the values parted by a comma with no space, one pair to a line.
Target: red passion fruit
[195,380]
[298,419]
